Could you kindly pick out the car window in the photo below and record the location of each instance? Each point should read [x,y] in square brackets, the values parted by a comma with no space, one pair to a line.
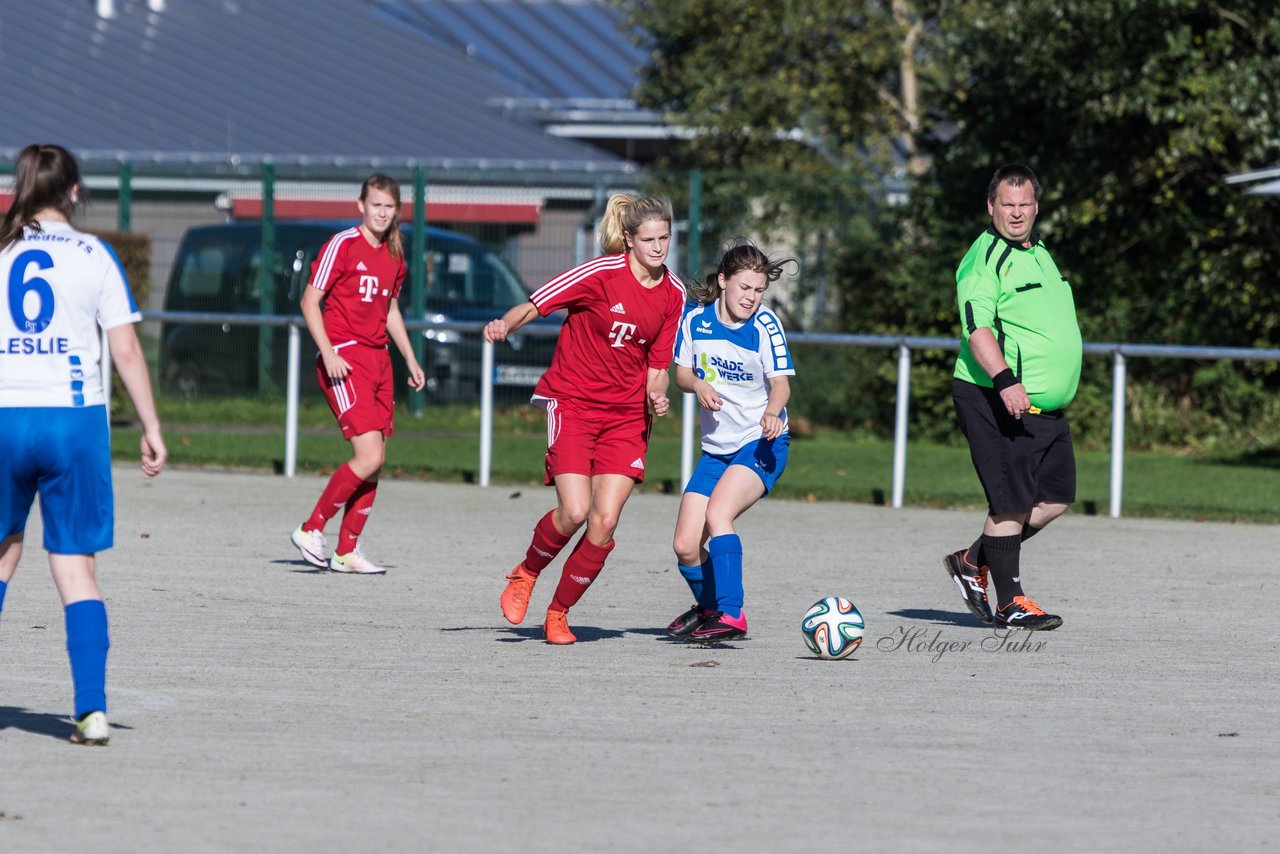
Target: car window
[465,275]
[202,280]
[218,272]
[202,272]
[507,290]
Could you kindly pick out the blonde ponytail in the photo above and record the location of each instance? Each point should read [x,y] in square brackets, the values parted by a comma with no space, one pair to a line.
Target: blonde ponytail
[624,214]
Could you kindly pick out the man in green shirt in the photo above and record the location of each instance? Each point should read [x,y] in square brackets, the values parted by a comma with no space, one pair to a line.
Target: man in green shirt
[1018,368]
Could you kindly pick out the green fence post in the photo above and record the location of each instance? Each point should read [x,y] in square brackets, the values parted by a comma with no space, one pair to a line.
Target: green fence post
[418,276]
[266,277]
[124,206]
[695,223]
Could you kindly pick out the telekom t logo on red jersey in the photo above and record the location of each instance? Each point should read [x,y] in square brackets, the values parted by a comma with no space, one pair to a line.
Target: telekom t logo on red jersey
[621,333]
[368,287]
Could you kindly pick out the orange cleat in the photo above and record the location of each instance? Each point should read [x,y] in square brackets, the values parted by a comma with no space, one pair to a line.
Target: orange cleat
[557,628]
[515,599]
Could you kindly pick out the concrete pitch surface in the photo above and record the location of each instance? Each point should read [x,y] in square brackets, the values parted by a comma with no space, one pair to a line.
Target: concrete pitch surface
[258,705]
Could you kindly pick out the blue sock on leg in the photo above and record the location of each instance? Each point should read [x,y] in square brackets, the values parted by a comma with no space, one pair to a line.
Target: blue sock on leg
[3,587]
[726,565]
[87,645]
[707,601]
[692,577]
[701,580]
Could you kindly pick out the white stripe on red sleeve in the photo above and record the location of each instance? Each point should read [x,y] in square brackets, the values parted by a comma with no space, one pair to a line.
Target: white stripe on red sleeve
[325,270]
[572,277]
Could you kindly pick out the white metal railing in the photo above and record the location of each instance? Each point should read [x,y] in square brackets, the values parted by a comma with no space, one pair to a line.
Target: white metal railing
[905,345]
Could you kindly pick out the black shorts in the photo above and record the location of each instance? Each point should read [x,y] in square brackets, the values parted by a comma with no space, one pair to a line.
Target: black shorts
[1020,462]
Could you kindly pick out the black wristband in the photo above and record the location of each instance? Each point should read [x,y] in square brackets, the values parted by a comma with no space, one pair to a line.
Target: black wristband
[1003,380]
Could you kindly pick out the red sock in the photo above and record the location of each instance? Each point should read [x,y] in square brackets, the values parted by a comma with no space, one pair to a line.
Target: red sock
[547,543]
[342,485]
[357,513]
[580,570]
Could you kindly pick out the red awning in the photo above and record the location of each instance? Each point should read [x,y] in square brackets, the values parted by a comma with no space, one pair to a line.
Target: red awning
[494,212]
[497,212]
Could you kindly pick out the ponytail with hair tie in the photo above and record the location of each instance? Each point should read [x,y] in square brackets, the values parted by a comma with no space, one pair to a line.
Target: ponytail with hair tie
[45,177]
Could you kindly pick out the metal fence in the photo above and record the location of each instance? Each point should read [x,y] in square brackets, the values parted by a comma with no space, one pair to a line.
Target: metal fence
[538,224]
[904,346]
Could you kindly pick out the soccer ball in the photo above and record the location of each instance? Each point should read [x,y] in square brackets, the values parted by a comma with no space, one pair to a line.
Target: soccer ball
[832,628]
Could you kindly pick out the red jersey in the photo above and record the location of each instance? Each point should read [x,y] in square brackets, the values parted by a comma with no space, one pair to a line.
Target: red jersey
[359,282]
[616,330]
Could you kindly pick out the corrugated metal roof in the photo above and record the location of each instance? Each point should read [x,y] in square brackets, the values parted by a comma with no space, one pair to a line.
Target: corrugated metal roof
[557,49]
[321,81]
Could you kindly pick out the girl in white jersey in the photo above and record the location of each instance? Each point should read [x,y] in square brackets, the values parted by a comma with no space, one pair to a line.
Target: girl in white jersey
[63,286]
[732,353]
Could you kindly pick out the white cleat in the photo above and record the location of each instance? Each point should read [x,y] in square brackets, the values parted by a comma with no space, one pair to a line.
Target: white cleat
[311,544]
[355,562]
[92,730]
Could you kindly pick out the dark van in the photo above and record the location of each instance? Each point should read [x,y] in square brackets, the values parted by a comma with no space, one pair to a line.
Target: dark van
[217,271]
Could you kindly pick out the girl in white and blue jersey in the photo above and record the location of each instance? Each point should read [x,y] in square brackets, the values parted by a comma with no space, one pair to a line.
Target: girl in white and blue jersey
[732,353]
[63,286]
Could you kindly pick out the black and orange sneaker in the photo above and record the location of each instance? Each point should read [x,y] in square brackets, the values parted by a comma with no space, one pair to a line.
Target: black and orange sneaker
[972,581]
[688,621]
[720,627]
[1024,613]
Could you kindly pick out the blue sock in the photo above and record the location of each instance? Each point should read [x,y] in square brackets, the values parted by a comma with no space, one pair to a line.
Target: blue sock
[726,564]
[3,587]
[87,645]
[702,582]
[707,601]
[693,577]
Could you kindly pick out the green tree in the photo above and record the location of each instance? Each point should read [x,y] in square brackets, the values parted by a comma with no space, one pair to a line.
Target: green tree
[786,85]
[1132,111]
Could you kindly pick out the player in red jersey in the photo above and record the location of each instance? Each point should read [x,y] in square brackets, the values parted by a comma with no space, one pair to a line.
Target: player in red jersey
[607,379]
[351,310]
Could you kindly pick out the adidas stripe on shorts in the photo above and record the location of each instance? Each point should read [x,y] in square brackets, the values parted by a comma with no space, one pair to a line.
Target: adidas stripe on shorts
[590,440]
[364,400]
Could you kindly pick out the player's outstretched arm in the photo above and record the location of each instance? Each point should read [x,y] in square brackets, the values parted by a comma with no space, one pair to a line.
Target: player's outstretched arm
[516,316]
[400,335]
[126,355]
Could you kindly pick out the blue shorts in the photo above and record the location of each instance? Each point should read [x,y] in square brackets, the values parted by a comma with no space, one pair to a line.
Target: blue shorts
[64,454]
[766,457]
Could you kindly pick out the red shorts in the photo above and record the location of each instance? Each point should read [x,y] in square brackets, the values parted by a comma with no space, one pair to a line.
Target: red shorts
[590,440]
[363,401]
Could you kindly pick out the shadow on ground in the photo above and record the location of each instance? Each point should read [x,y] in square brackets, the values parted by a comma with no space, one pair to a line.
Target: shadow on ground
[533,632]
[933,615]
[39,723]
